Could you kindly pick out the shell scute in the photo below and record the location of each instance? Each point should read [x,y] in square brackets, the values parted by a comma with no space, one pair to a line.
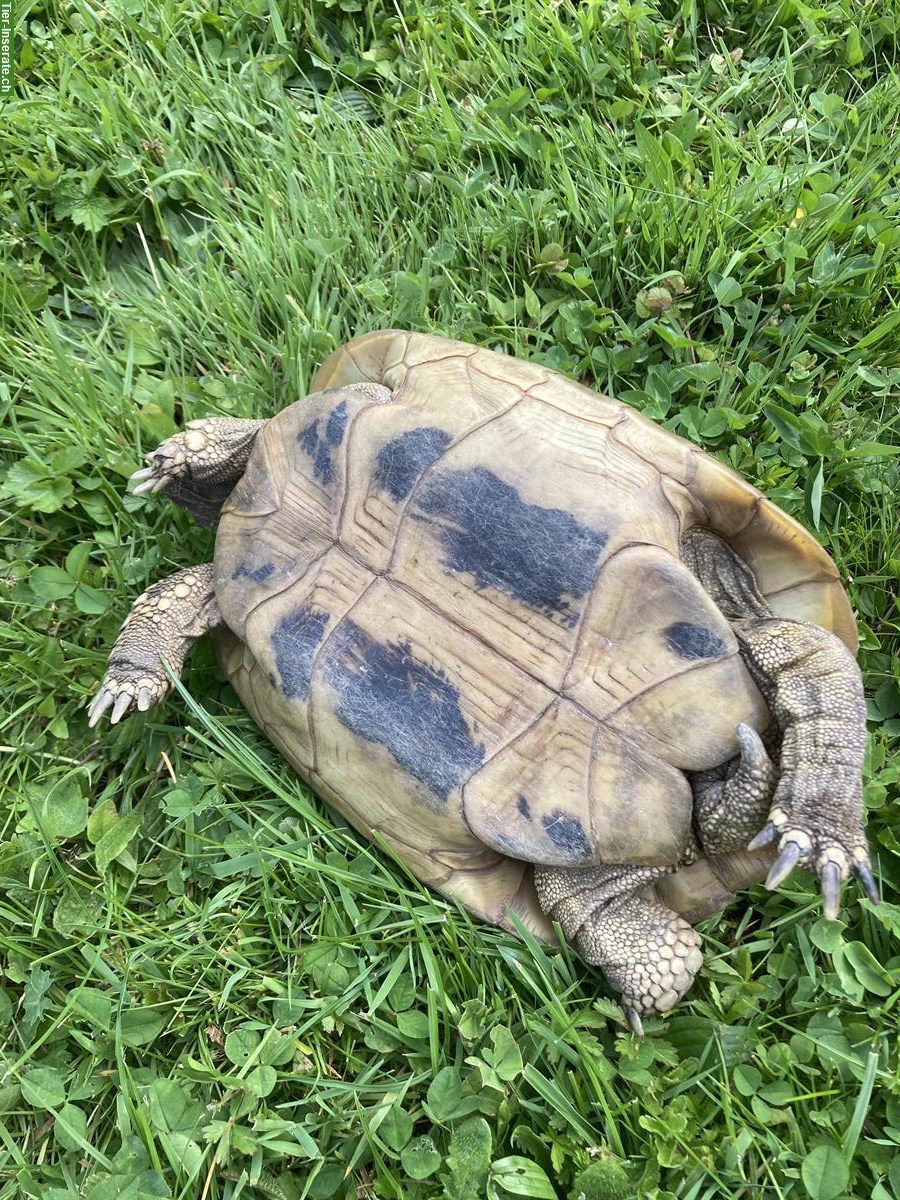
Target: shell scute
[652,646]
[284,514]
[541,557]
[401,461]
[393,447]
[572,791]
[407,706]
[284,633]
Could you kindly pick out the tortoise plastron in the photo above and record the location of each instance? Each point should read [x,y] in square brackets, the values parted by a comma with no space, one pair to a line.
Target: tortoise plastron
[562,662]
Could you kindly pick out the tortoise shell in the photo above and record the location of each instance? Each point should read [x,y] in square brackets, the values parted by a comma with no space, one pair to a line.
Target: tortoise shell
[459,610]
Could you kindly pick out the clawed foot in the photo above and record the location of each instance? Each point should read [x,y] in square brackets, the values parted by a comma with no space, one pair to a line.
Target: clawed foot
[814,690]
[162,626]
[830,858]
[648,953]
[655,982]
[190,454]
[125,693]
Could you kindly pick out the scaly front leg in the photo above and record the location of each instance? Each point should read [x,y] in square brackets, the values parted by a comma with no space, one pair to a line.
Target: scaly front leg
[163,624]
[199,467]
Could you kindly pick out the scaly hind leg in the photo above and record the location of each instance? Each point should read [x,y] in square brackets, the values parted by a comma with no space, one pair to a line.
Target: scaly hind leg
[647,952]
[163,624]
[814,691]
[730,811]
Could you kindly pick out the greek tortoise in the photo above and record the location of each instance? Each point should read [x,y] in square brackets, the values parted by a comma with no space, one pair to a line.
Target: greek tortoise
[565,664]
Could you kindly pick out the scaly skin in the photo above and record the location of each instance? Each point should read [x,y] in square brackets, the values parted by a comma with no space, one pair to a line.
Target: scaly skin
[211,450]
[163,623]
[646,951]
[814,691]
[199,467]
[729,811]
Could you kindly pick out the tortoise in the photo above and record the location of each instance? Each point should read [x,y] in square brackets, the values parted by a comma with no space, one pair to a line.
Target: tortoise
[567,666]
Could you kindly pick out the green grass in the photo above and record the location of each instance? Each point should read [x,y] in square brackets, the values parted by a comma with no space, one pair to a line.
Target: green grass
[211,987]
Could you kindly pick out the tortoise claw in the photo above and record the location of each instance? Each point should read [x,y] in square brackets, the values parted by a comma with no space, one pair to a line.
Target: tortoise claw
[98,706]
[148,480]
[753,752]
[863,873]
[766,835]
[783,865]
[122,692]
[831,890]
[121,707]
[634,1020]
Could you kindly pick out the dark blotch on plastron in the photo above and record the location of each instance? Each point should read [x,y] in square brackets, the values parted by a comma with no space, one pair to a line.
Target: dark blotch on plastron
[336,425]
[257,574]
[320,447]
[567,834]
[386,696]
[541,556]
[522,806]
[693,642]
[309,438]
[295,640]
[402,460]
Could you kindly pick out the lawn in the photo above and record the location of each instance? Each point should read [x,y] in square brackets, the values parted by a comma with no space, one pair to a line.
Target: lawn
[211,987]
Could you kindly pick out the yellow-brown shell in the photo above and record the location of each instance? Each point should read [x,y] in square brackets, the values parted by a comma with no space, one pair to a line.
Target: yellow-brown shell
[460,612]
